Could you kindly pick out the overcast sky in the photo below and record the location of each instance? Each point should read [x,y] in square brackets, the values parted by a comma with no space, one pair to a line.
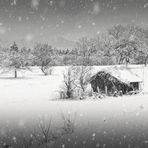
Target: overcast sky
[61,22]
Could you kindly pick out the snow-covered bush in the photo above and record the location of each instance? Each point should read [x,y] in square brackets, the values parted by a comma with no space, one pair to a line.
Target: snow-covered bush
[76,80]
[69,82]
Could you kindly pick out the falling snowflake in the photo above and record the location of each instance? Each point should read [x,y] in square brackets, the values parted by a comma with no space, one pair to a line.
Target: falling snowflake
[13,3]
[62,22]
[29,37]
[98,145]
[20,19]
[84,142]
[79,26]
[98,32]
[81,115]
[124,136]
[146,5]
[69,112]
[35,4]
[68,139]
[51,3]
[114,8]
[146,142]
[96,8]
[14,139]
[63,145]
[94,134]
[31,135]
[93,24]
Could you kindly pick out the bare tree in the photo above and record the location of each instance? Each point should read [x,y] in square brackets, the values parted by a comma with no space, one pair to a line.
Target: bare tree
[43,133]
[116,31]
[43,56]
[69,124]
[84,48]
[82,74]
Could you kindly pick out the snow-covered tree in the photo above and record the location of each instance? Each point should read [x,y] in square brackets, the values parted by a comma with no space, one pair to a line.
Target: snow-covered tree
[127,42]
[15,59]
[43,56]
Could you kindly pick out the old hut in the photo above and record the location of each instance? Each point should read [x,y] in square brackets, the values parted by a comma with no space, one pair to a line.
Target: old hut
[111,81]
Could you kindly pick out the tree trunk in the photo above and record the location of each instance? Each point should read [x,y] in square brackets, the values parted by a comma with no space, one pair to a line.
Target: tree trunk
[15,73]
[106,90]
[146,59]
[44,70]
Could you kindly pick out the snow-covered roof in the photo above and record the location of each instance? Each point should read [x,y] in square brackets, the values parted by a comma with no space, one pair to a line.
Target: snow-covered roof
[132,73]
[124,75]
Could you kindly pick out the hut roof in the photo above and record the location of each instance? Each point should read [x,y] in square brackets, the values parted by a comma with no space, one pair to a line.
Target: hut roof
[124,75]
[106,76]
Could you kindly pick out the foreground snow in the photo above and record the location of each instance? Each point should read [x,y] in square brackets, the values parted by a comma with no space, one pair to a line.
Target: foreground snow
[113,109]
[109,122]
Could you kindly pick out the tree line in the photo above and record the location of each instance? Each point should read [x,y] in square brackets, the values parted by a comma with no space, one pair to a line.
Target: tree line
[121,44]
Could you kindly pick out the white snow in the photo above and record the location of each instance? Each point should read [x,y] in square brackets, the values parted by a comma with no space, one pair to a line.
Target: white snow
[30,86]
[32,92]
[34,86]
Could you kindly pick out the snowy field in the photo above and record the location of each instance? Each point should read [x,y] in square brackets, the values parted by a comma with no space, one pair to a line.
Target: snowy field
[111,122]
[30,86]
[33,86]
[35,92]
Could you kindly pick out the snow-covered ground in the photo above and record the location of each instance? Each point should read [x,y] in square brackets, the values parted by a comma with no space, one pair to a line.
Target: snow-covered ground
[30,86]
[29,98]
[35,87]
[34,90]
